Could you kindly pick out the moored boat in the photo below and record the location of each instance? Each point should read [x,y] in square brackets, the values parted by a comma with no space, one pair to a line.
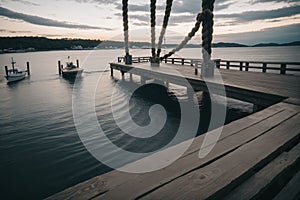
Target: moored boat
[13,75]
[71,70]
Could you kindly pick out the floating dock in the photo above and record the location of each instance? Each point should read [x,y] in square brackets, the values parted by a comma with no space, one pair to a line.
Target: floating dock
[255,157]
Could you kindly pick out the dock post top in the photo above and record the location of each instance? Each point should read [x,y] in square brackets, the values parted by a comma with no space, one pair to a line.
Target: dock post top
[128,59]
[155,61]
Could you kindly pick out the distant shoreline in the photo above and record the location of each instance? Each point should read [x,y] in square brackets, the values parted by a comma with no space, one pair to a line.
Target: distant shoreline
[40,44]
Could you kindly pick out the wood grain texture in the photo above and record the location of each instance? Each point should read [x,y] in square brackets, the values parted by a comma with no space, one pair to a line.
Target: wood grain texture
[260,181]
[216,179]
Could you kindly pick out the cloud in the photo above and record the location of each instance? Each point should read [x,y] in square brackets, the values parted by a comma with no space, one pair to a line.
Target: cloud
[139,8]
[275,1]
[10,31]
[262,15]
[281,34]
[44,21]
[182,11]
[105,2]
[28,3]
[51,35]
[195,6]
[144,20]
[179,6]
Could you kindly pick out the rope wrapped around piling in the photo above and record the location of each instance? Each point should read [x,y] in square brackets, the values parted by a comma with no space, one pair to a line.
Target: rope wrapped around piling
[153,23]
[125,25]
[207,36]
[169,4]
[207,30]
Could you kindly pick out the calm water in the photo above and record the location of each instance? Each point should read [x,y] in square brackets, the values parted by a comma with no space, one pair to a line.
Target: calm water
[40,150]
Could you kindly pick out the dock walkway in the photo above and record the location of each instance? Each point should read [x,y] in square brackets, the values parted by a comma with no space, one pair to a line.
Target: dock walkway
[255,157]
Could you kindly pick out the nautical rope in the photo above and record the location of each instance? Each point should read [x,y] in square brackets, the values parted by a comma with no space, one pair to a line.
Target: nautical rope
[153,10]
[164,26]
[200,17]
[207,31]
[208,4]
[125,25]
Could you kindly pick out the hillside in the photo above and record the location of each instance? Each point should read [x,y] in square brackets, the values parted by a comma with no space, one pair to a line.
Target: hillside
[296,43]
[27,44]
[45,44]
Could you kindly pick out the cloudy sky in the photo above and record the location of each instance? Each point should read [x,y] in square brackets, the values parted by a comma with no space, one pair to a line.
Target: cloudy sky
[244,21]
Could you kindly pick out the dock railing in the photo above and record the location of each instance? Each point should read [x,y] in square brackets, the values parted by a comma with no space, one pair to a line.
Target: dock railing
[280,67]
[136,59]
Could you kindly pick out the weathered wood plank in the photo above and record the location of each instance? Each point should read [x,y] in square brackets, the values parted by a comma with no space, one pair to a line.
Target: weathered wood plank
[258,183]
[146,182]
[293,101]
[247,122]
[216,179]
[130,186]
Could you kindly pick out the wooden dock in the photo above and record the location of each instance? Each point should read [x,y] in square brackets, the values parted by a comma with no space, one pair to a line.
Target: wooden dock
[256,157]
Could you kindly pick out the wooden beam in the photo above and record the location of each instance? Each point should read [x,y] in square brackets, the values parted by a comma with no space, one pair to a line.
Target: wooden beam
[218,178]
[260,183]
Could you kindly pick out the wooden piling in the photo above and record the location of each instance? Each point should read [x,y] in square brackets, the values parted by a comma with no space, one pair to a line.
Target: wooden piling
[128,59]
[77,63]
[6,70]
[130,77]
[283,69]
[228,65]
[241,66]
[264,68]
[28,68]
[218,64]
[59,68]
[123,74]
[195,63]
[247,67]
[111,71]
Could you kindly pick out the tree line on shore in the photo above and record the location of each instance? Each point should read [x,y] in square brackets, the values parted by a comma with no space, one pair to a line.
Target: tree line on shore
[19,44]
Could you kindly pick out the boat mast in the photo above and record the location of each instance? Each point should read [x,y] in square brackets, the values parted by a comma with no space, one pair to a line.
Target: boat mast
[13,63]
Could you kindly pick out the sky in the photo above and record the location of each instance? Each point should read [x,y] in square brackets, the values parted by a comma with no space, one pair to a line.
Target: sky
[242,21]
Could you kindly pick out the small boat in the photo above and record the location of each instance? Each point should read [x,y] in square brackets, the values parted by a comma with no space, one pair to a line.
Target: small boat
[71,70]
[14,74]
